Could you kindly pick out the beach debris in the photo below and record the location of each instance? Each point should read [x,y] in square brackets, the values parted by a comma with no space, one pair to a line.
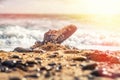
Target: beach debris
[58,36]
[102,56]
[52,36]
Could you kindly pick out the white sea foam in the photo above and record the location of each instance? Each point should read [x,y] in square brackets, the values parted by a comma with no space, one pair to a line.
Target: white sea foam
[25,32]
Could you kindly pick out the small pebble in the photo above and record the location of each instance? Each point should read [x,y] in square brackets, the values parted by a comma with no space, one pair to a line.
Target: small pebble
[58,67]
[48,68]
[31,63]
[15,78]
[37,69]
[71,51]
[56,53]
[47,74]
[96,73]
[22,66]
[42,68]
[91,77]
[73,64]
[37,50]
[91,66]
[52,56]
[0,59]
[15,56]
[37,75]
[9,63]
[80,58]
[20,49]
[52,64]
[37,58]
[76,78]
[4,69]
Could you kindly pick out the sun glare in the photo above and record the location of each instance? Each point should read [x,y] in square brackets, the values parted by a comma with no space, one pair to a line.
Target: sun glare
[99,6]
[105,13]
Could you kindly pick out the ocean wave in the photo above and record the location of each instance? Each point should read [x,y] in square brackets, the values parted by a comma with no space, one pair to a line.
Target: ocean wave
[24,33]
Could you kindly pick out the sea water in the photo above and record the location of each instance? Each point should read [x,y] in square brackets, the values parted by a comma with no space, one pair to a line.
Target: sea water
[24,32]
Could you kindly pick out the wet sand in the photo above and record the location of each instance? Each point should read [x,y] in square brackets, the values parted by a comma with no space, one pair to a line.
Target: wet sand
[60,63]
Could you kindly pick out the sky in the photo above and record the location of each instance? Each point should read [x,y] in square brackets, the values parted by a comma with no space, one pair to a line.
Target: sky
[61,6]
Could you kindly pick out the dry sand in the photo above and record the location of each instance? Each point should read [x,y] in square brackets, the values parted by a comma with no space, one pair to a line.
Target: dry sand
[59,63]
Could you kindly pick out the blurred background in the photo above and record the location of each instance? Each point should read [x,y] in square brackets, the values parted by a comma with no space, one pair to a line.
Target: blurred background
[99,12]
